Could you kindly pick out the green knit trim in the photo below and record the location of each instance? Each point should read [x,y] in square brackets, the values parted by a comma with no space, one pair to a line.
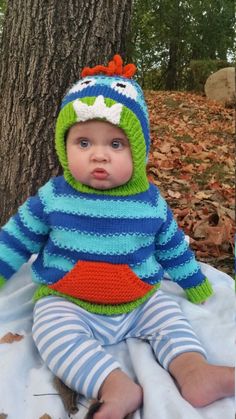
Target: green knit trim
[2,281]
[200,293]
[132,128]
[104,309]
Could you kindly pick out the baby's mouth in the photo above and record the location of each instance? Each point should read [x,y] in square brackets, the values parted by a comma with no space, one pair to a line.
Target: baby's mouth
[99,174]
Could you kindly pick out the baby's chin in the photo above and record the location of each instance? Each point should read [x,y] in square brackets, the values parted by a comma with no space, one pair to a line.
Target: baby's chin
[103,186]
[100,186]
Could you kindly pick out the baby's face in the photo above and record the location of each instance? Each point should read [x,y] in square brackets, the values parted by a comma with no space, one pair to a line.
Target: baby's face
[99,154]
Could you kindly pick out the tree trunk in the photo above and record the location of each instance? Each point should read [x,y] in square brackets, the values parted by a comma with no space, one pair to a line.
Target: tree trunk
[171,77]
[45,44]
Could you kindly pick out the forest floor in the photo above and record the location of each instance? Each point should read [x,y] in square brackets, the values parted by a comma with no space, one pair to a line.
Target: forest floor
[192,162]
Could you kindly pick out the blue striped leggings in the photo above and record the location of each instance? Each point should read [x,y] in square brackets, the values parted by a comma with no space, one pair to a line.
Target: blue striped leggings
[72,342]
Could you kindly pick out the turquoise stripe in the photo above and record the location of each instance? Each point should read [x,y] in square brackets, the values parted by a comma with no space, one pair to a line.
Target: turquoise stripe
[183,271]
[147,268]
[58,262]
[32,222]
[161,208]
[173,252]
[11,257]
[164,237]
[100,244]
[36,278]
[12,228]
[99,207]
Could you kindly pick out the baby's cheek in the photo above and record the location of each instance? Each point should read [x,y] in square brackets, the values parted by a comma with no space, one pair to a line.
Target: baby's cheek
[125,172]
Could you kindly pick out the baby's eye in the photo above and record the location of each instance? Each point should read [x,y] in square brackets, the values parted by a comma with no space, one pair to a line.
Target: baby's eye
[117,144]
[125,88]
[84,143]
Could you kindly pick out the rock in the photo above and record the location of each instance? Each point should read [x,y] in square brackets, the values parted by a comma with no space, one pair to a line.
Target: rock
[220,86]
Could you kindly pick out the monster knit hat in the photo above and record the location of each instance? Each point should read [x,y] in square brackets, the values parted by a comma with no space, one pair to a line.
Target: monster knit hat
[108,94]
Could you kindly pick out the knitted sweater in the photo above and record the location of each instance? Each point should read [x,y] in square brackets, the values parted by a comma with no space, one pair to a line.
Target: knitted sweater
[107,254]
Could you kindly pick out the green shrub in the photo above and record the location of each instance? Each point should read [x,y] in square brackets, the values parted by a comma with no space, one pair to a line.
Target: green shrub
[200,70]
[152,79]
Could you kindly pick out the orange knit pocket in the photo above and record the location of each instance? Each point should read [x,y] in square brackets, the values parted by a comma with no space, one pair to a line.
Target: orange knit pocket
[102,283]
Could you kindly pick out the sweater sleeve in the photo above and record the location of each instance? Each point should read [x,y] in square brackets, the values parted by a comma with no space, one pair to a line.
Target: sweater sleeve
[23,235]
[178,260]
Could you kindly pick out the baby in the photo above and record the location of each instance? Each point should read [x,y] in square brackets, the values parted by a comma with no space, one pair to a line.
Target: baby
[103,237]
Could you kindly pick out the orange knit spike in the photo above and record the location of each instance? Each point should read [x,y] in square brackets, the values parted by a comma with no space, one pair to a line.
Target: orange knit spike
[114,68]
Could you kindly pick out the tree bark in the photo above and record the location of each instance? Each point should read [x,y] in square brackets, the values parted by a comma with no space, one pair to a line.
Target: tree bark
[171,76]
[44,46]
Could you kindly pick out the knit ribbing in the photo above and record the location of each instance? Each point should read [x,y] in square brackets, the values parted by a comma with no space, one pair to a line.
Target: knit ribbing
[2,281]
[103,309]
[199,293]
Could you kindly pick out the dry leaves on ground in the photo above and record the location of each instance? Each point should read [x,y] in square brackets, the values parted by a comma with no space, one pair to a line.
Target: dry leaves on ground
[11,337]
[192,162]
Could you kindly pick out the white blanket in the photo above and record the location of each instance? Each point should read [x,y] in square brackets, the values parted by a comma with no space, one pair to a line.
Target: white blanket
[26,390]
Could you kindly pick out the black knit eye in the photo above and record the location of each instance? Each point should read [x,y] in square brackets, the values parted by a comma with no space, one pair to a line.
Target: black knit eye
[86,82]
[82,84]
[125,88]
[121,85]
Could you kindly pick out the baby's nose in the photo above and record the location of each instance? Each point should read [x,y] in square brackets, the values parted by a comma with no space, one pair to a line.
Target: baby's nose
[100,154]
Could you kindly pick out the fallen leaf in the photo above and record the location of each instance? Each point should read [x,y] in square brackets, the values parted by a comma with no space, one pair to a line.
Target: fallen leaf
[189,168]
[45,416]
[181,212]
[165,148]
[215,235]
[159,156]
[173,194]
[202,167]
[69,397]
[166,165]
[11,337]
[202,195]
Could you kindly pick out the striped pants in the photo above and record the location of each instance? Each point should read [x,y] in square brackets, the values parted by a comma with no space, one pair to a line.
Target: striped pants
[72,342]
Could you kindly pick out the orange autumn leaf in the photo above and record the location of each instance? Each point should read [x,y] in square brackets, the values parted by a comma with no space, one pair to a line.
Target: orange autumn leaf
[181,213]
[166,165]
[174,194]
[189,168]
[216,235]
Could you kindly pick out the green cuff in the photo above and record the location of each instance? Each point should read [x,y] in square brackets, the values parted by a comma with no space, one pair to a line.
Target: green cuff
[200,293]
[2,281]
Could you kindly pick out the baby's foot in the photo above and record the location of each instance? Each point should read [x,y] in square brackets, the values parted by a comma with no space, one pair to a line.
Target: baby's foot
[104,411]
[120,396]
[201,383]
[203,386]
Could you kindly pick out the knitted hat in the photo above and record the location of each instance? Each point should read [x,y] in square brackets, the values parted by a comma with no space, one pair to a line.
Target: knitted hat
[109,94]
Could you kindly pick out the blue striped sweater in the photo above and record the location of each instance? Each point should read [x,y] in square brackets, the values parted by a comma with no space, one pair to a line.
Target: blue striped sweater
[135,234]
